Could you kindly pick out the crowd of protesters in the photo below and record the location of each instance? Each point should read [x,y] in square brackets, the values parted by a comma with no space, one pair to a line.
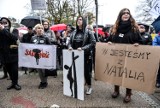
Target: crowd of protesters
[82,37]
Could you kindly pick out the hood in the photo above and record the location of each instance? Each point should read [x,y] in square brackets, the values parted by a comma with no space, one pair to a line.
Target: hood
[8,21]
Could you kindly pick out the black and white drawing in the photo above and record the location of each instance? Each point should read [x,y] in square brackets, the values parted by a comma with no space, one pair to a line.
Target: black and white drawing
[73,74]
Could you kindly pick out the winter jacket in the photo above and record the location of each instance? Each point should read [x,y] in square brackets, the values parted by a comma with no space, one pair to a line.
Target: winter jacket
[51,35]
[127,38]
[40,40]
[146,38]
[8,47]
[88,41]
[156,41]
[27,38]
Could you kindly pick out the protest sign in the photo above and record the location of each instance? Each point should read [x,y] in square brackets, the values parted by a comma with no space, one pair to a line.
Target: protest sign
[127,65]
[73,73]
[37,56]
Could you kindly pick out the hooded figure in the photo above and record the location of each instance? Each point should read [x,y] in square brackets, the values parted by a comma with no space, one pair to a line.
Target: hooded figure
[83,39]
[4,20]
[9,51]
[8,42]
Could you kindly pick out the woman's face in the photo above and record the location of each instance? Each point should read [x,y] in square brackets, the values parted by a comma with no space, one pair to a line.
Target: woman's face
[141,28]
[68,28]
[39,30]
[5,22]
[79,21]
[125,15]
[45,25]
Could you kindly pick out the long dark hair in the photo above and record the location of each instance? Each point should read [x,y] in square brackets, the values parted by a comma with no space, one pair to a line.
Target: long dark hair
[132,20]
[84,23]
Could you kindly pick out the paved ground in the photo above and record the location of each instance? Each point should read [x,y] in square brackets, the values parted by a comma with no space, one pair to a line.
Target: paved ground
[30,96]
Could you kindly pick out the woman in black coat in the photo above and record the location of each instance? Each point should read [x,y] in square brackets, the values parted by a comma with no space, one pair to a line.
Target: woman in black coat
[125,30]
[83,39]
[9,51]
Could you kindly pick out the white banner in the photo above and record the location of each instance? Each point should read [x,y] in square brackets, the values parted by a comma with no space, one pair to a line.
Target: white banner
[37,56]
[38,4]
[155,10]
[73,73]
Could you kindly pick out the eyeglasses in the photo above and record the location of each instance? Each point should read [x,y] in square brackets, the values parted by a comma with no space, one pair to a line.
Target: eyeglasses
[45,24]
[126,13]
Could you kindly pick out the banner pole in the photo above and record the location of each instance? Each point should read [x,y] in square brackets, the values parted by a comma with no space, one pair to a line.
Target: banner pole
[40,17]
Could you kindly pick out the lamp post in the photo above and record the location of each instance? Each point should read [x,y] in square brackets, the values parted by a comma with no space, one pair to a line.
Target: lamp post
[96,3]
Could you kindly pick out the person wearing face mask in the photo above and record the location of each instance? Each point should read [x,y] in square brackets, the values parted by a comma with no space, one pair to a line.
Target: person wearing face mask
[9,52]
[125,30]
[83,39]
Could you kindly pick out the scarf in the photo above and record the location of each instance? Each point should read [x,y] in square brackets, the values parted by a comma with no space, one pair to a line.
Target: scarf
[124,27]
[46,29]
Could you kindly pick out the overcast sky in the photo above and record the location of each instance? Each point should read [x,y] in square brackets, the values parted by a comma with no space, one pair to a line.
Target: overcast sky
[13,8]
[108,9]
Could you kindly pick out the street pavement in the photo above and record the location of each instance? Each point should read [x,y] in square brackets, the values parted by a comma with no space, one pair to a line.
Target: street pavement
[32,97]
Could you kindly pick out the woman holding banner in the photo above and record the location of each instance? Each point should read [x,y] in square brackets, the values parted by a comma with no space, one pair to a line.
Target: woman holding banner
[83,39]
[40,38]
[125,30]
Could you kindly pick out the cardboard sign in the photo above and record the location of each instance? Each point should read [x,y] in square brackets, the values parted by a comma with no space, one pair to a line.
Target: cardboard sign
[127,65]
[73,74]
[37,56]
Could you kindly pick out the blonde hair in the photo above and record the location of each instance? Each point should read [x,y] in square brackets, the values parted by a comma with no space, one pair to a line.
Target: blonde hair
[37,26]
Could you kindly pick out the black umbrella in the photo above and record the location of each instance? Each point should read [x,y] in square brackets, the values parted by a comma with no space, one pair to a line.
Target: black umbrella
[31,21]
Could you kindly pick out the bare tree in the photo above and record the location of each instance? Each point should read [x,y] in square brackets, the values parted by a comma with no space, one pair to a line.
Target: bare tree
[83,6]
[142,11]
[64,11]
[58,9]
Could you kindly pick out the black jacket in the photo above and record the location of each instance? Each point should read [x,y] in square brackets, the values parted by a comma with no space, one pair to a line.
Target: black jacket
[146,38]
[27,38]
[8,54]
[128,38]
[40,40]
[88,41]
